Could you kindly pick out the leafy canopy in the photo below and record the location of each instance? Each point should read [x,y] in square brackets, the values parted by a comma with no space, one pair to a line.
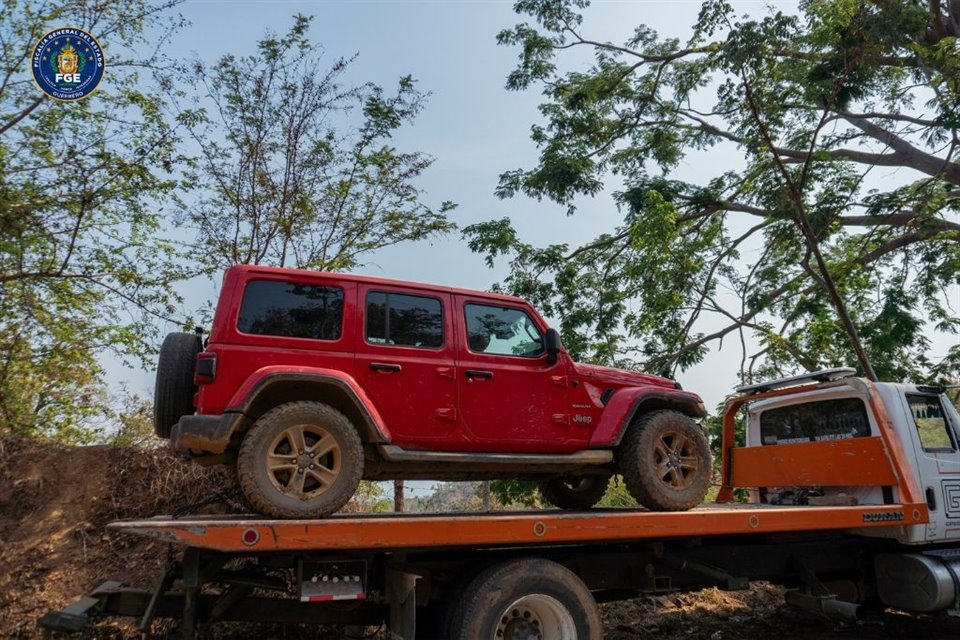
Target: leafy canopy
[84,267]
[295,168]
[836,223]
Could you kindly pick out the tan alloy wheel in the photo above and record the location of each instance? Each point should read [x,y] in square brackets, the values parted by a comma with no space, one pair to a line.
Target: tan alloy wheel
[675,456]
[665,461]
[304,461]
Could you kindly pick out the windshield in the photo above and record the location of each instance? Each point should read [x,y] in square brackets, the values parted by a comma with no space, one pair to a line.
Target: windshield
[952,416]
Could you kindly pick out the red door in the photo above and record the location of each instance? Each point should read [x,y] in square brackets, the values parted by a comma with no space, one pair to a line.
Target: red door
[405,362]
[511,399]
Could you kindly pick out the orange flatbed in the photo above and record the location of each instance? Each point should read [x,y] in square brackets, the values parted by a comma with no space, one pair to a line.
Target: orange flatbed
[510,528]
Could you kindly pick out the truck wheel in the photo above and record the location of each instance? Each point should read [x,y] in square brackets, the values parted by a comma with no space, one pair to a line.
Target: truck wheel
[174,388]
[300,460]
[526,598]
[665,461]
[573,492]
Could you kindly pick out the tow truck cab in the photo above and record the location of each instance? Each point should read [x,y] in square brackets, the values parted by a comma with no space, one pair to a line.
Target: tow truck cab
[923,419]
[841,423]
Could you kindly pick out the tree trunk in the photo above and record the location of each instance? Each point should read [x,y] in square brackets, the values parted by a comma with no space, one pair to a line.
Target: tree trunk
[398,496]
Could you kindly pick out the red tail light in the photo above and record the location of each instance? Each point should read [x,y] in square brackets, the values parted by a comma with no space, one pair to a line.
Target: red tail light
[206,368]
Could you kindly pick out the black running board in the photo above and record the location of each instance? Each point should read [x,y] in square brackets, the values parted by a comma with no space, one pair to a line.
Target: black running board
[590,457]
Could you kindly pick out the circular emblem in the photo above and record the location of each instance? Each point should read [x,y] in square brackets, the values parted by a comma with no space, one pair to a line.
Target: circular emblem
[68,64]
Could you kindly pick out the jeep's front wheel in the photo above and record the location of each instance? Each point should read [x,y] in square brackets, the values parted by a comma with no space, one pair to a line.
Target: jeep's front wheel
[574,492]
[665,461]
[300,460]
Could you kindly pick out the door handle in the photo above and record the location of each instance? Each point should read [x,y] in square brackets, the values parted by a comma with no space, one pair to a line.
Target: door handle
[479,373]
[385,366]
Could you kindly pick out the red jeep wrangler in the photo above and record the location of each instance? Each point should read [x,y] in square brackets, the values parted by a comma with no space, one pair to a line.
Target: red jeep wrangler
[311,381]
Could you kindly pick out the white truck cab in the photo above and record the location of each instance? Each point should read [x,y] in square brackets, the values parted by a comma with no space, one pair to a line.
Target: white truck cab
[923,572]
[923,418]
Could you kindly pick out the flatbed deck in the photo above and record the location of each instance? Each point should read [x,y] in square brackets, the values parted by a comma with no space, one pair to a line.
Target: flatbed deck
[510,528]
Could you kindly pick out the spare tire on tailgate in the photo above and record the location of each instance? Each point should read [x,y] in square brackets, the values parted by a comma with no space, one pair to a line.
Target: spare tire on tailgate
[173,396]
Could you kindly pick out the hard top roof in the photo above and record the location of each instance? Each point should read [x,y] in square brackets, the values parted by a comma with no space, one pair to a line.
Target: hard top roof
[349,277]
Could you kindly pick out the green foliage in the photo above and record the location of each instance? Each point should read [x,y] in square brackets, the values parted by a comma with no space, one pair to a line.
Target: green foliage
[714,426]
[372,497]
[295,168]
[523,493]
[617,495]
[515,493]
[135,420]
[796,251]
[84,267]
[450,496]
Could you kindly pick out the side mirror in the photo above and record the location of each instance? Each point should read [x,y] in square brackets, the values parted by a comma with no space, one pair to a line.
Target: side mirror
[551,342]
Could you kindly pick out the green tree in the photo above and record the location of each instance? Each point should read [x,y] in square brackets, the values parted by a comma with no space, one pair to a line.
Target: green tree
[135,424]
[371,497]
[83,267]
[295,168]
[809,247]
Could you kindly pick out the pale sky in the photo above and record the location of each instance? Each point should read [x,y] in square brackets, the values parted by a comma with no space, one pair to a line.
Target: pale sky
[471,124]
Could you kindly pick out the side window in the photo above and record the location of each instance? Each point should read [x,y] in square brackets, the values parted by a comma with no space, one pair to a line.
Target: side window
[819,420]
[931,423]
[502,331]
[291,309]
[398,319]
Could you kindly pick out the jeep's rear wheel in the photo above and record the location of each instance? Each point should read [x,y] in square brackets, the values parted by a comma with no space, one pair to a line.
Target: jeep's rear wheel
[574,492]
[665,461]
[300,460]
[174,389]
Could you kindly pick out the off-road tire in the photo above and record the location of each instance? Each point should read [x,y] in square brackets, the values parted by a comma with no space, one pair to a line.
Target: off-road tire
[496,597]
[643,445]
[574,492]
[259,483]
[174,389]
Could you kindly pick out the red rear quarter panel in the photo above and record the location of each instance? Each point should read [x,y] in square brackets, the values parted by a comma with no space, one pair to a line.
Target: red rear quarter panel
[263,375]
[243,361]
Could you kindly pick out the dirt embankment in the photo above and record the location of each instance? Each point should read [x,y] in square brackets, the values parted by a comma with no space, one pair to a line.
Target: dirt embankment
[55,501]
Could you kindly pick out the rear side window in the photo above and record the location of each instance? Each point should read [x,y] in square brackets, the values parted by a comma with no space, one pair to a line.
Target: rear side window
[402,320]
[292,310]
[931,423]
[813,421]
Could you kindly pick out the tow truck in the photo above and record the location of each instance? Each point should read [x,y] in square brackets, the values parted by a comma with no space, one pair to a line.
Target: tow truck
[845,491]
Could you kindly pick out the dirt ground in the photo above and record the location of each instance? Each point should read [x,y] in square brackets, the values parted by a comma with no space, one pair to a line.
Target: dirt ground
[55,501]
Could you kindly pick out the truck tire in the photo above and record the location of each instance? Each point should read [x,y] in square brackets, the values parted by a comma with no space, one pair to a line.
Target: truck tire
[174,389]
[665,461]
[574,492]
[300,460]
[526,598]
